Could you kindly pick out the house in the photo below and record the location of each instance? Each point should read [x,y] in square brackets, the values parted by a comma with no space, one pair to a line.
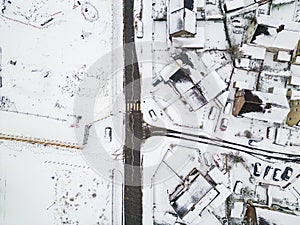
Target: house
[190,194]
[183,80]
[282,56]
[269,107]
[253,52]
[269,216]
[278,90]
[273,34]
[212,86]
[195,193]
[233,5]
[294,80]
[181,18]
[282,136]
[296,55]
[196,42]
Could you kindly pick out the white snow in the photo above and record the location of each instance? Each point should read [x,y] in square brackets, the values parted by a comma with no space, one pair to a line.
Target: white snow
[253,52]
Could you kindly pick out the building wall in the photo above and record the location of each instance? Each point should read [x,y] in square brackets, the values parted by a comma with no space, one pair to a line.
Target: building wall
[294,115]
[239,101]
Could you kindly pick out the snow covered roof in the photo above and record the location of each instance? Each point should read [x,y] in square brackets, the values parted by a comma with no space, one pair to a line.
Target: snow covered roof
[170,69]
[265,106]
[253,51]
[236,4]
[295,70]
[283,56]
[266,216]
[295,95]
[274,33]
[223,195]
[275,23]
[200,206]
[278,90]
[200,4]
[190,42]
[179,4]
[237,210]
[181,81]
[294,80]
[278,2]
[184,201]
[217,176]
[282,136]
[182,20]
[212,85]
[194,98]
[286,40]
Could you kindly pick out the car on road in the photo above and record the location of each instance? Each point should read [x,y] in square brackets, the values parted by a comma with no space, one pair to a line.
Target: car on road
[217,159]
[212,113]
[276,174]
[253,142]
[224,124]
[139,29]
[257,169]
[153,115]
[268,173]
[108,134]
[287,173]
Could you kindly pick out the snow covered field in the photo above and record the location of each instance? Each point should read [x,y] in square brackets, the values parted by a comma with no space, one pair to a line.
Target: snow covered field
[48,49]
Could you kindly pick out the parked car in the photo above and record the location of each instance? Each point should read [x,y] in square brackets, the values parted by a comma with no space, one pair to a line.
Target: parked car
[257,169]
[139,29]
[153,115]
[287,173]
[217,159]
[253,142]
[276,174]
[268,173]
[270,132]
[108,134]
[224,124]
[227,108]
[212,113]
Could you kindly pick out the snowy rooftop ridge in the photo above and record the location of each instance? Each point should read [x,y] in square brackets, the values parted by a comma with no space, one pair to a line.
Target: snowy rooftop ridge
[271,22]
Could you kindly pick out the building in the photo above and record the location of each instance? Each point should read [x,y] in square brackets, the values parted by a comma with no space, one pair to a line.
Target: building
[233,5]
[253,52]
[273,34]
[196,42]
[181,18]
[296,55]
[282,136]
[293,117]
[268,216]
[269,107]
[196,90]
[195,193]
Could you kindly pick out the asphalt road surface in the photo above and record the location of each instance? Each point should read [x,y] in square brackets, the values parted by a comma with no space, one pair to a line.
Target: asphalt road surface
[133,123]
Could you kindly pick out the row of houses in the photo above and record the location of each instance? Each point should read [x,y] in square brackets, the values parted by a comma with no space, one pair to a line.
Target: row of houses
[282,38]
